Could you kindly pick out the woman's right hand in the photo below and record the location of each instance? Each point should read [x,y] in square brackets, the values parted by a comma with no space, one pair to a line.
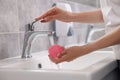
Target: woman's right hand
[73,52]
[56,13]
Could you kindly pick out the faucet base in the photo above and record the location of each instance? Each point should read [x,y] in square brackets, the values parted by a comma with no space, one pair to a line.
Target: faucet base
[24,57]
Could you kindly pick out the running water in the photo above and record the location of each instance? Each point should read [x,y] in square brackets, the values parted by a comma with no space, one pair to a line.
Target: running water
[58,66]
[51,40]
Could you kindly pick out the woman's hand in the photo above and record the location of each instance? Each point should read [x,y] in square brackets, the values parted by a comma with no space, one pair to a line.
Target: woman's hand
[71,53]
[55,13]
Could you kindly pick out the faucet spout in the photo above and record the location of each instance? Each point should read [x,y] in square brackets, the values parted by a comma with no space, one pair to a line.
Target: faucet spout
[30,34]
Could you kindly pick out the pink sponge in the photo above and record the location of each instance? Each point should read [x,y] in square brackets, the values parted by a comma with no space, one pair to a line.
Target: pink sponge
[54,50]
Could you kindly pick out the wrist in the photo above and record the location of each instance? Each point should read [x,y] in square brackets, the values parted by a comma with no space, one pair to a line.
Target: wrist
[90,47]
[77,17]
[73,16]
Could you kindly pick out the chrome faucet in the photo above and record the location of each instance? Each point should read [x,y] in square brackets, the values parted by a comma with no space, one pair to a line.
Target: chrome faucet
[30,35]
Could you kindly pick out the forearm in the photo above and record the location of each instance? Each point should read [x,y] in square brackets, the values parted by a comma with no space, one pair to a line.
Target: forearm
[88,17]
[107,40]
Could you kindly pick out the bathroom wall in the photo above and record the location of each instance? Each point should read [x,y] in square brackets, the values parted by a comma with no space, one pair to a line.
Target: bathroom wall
[81,30]
[14,14]
[94,3]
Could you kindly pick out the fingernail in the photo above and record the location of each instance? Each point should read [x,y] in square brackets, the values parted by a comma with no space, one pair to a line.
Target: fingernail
[43,20]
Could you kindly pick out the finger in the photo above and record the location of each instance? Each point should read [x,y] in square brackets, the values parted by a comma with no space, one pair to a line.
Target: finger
[61,54]
[58,60]
[42,16]
[70,60]
[48,13]
[48,19]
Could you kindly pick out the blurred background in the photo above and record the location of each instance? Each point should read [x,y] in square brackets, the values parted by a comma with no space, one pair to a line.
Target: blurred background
[15,14]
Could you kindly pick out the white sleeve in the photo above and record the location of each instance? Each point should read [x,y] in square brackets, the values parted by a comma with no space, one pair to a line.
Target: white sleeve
[105,9]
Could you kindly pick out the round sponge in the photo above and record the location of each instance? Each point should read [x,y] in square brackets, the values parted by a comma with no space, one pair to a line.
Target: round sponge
[55,49]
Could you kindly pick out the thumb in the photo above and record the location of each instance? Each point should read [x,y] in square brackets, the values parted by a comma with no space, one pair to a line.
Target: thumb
[62,54]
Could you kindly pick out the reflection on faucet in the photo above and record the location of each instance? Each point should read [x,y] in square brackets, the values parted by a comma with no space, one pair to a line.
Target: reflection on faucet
[29,36]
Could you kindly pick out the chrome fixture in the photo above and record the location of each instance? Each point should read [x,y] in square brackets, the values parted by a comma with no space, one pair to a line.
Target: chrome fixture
[30,35]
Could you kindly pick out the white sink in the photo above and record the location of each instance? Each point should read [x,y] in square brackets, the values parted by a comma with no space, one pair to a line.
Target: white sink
[93,66]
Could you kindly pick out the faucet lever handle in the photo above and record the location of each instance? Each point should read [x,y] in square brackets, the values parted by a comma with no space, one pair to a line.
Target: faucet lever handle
[30,26]
[33,22]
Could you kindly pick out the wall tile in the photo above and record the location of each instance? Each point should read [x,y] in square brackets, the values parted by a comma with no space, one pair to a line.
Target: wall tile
[9,45]
[14,14]
[30,9]
[8,16]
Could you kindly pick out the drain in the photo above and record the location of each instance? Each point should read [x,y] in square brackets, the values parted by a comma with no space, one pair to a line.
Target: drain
[39,65]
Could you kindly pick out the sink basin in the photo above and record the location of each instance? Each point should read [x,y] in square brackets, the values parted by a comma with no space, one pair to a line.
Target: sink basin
[39,67]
